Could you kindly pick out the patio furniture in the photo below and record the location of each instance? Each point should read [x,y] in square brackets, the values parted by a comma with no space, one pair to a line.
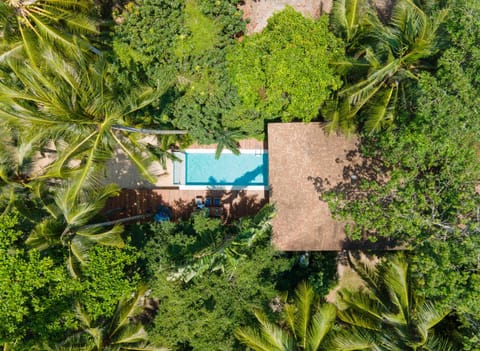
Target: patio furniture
[208,201]
[163,214]
[199,202]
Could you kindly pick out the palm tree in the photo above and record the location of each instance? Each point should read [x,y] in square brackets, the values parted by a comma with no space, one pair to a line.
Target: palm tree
[306,325]
[394,58]
[26,23]
[73,107]
[224,255]
[228,139]
[349,20]
[383,313]
[122,332]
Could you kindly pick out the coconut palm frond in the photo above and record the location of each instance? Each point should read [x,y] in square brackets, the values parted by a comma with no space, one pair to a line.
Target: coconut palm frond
[361,92]
[131,334]
[126,309]
[352,340]
[435,343]
[397,281]
[290,316]
[121,332]
[79,250]
[322,322]
[303,301]
[110,237]
[331,113]
[347,16]
[254,340]
[270,337]
[228,139]
[142,97]
[54,22]
[400,319]
[381,113]
[428,315]
[137,158]
[367,270]
[82,315]
[45,234]
[362,312]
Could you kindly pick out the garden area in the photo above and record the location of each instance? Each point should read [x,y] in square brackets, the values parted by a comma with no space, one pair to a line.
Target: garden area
[83,80]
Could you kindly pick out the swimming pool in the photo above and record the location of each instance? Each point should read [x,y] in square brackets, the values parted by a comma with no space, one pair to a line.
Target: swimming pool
[201,169]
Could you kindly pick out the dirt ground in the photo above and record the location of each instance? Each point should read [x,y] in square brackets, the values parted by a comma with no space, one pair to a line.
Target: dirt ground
[257,12]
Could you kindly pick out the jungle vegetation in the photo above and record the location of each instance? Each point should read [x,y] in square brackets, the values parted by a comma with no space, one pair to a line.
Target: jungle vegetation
[82,79]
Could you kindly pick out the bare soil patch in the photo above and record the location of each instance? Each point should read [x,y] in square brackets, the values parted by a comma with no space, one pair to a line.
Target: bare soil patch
[257,12]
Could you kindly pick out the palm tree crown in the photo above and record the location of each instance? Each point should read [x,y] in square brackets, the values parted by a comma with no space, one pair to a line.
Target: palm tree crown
[393,53]
[384,314]
[122,332]
[25,23]
[306,325]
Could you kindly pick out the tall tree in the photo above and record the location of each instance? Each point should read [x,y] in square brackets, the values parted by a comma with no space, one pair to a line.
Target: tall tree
[384,313]
[73,107]
[283,73]
[394,54]
[25,24]
[306,325]
[122,332]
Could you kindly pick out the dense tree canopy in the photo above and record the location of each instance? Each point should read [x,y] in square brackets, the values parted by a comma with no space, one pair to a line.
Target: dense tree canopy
[69,280]
[188,53]
[429,201]
[229,271]
[284,72]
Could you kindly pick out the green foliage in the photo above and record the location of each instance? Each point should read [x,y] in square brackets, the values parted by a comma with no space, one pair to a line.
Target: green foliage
[284,72]
[108,276]
[429,201]
[35,291]
[203,314]
[307,324]
[39,294]
[230,270]
[123,330]
[203,33]
[182,43]
[383,311]
[206,245]
[394,53]
[61,24]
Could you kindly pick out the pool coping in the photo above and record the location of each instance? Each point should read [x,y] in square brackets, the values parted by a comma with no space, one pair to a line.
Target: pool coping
[212,151]
[223,187]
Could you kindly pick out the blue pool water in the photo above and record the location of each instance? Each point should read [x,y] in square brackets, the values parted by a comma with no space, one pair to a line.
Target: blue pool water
[242,170]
